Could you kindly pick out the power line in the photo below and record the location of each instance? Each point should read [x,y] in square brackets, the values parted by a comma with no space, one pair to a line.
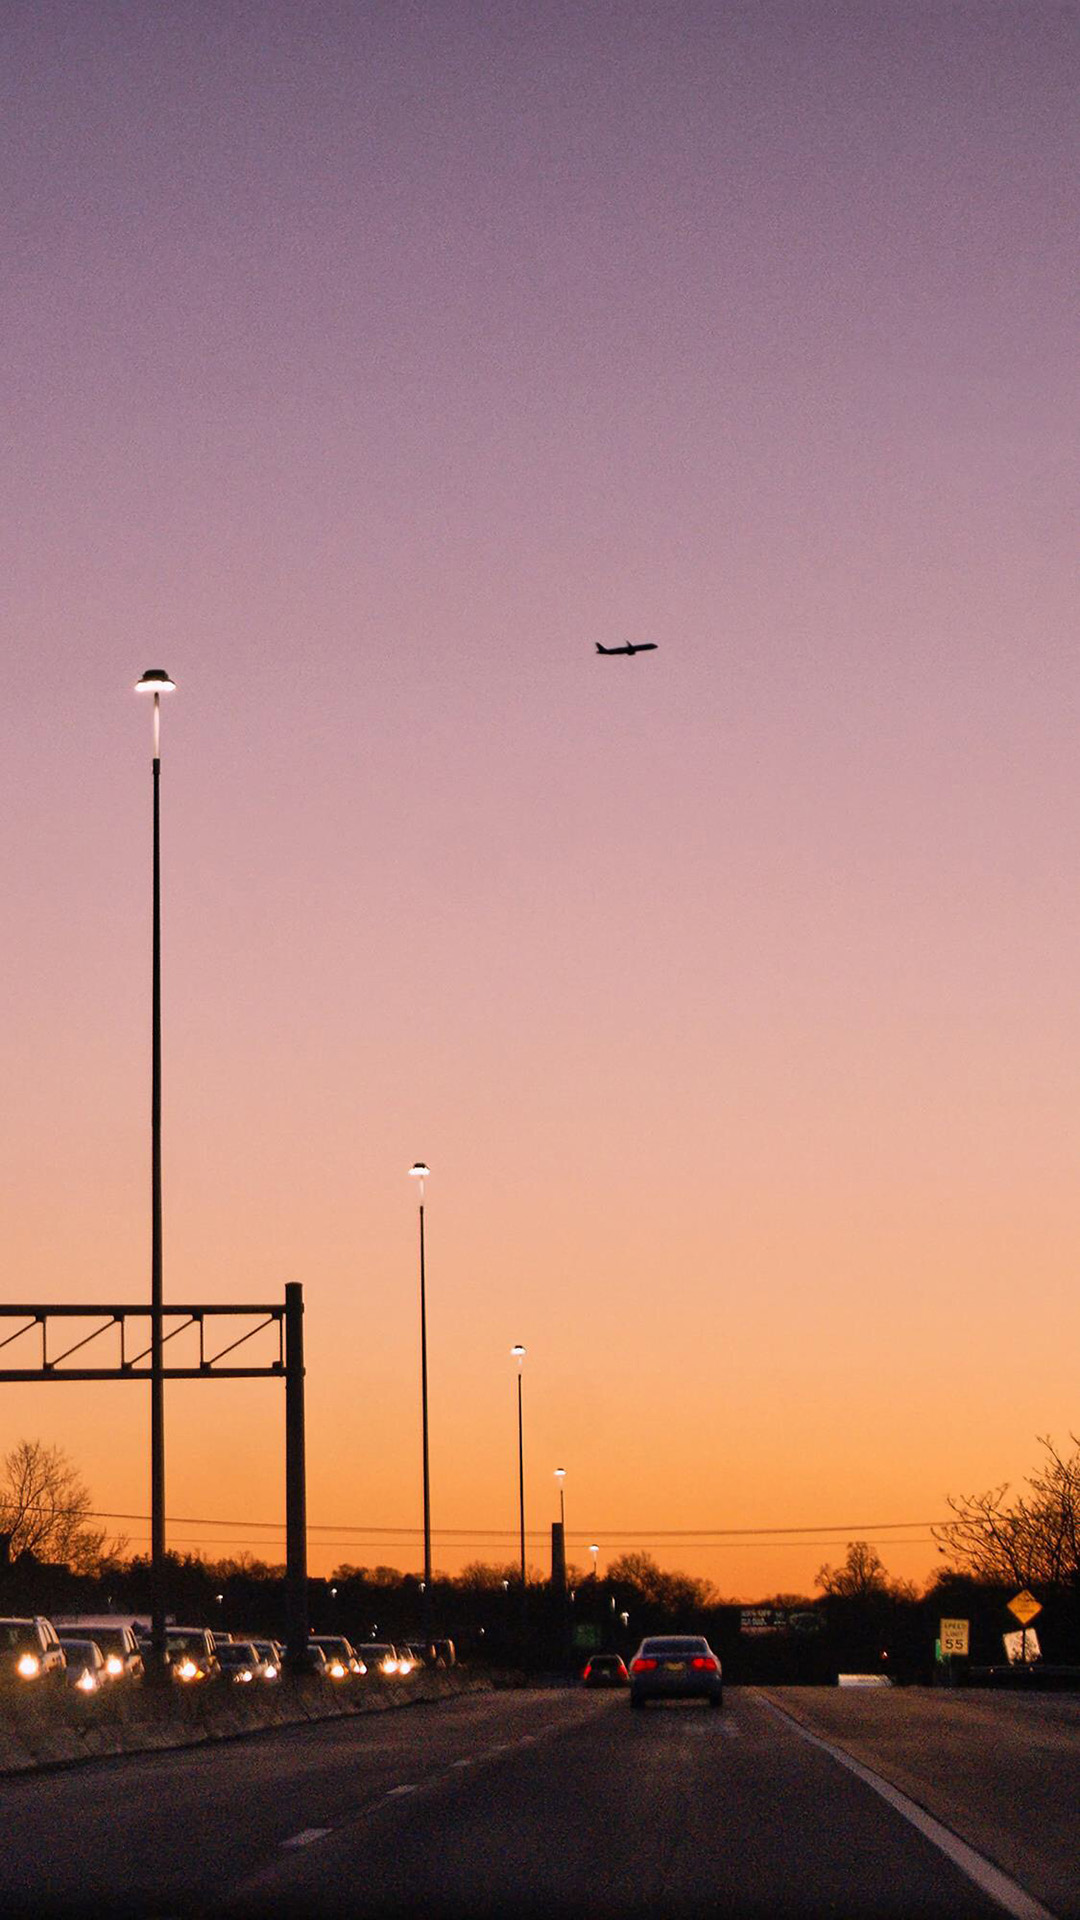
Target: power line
[476,1536]
[701,1546]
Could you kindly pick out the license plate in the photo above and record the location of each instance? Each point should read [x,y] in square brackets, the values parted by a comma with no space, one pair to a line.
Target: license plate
[675,1666]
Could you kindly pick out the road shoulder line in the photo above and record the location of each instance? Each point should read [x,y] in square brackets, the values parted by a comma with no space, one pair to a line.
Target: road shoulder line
[990,1879]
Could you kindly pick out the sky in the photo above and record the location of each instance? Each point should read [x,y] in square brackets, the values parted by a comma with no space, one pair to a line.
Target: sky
[365,365]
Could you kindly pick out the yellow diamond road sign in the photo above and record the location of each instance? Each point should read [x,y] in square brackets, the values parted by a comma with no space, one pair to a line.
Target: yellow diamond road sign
[1025,1606]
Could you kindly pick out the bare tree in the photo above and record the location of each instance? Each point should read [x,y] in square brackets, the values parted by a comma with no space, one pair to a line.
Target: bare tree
[1033,1542]
[675,1592]
[862,1577]
[44,1508]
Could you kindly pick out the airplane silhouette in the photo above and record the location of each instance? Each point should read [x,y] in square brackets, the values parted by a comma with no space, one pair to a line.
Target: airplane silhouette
[642,646]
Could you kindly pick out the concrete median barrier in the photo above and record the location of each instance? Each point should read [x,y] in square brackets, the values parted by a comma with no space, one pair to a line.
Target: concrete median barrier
[39,1729]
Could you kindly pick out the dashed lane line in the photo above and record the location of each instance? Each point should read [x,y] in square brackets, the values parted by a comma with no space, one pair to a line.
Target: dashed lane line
[306,1836]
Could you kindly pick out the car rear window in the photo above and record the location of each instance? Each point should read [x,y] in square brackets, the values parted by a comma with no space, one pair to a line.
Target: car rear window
[685,1644]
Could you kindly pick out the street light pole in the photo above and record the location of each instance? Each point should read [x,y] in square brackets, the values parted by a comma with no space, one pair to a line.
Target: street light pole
[420,1172]
[519,1355]
[560,1475]
[156,681]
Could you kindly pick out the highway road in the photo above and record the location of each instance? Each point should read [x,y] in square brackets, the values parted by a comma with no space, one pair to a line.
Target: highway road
[509,1802]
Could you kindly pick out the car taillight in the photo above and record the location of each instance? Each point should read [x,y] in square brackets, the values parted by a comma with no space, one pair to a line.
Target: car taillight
[587,1671]
[643,1666]
[704,1664]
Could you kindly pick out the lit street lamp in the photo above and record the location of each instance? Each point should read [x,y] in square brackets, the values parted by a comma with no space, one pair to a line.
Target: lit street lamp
[156,681]
[518,1354]
[595,1551]
[560,1475]
[420,1173]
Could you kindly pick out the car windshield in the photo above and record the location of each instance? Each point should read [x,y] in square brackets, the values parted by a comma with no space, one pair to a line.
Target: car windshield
[238,1653]
[80,1650]
[18,1634]
[605,1660]
[685,1644]
[341,1648]
[111,1638]
[186,1642]
[376,1650]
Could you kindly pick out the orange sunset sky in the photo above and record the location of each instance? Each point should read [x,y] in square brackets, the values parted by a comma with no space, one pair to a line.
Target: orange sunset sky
[366,367]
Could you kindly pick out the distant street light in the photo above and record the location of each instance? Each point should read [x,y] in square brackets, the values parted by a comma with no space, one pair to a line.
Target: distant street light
[421,1173]
[595,1551]
[560,1475]
[156,681]
[518,1354]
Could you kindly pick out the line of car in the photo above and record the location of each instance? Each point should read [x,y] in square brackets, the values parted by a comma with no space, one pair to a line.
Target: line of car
[665,1667]
[87,1654]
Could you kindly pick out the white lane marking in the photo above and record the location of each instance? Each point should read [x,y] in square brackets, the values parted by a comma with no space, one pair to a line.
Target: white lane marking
[461,1763]
[995,1884]
[396,1792]
[305,1838]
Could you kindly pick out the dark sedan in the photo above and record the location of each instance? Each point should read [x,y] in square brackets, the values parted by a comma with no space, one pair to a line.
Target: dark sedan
[676,1667]
[605,1670]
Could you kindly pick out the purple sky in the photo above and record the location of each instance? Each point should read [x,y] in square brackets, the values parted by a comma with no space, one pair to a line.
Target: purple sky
[364,364]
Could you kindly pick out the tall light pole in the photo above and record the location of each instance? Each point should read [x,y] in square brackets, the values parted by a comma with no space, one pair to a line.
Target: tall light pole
[519,1355]
[156,681]
[558,1541]
[595,1551]
[420,1173]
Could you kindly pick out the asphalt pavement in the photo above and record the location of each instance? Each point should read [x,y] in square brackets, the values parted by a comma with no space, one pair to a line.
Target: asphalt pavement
[499,1803]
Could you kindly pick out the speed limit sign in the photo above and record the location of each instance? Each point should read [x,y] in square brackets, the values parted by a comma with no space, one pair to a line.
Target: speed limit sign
[954,1636]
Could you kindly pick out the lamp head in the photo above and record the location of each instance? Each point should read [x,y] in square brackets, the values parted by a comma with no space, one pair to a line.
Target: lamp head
[560,1473]
[155,680]
[518,1354]
[419,1171]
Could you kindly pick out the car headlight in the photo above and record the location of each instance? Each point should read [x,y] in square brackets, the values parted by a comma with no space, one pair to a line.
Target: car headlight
[29,1666]
[337,1670]
[187,1670]
[244,1673]
[270,1672]
[389,1666]
[86,1682]
[114,1665]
